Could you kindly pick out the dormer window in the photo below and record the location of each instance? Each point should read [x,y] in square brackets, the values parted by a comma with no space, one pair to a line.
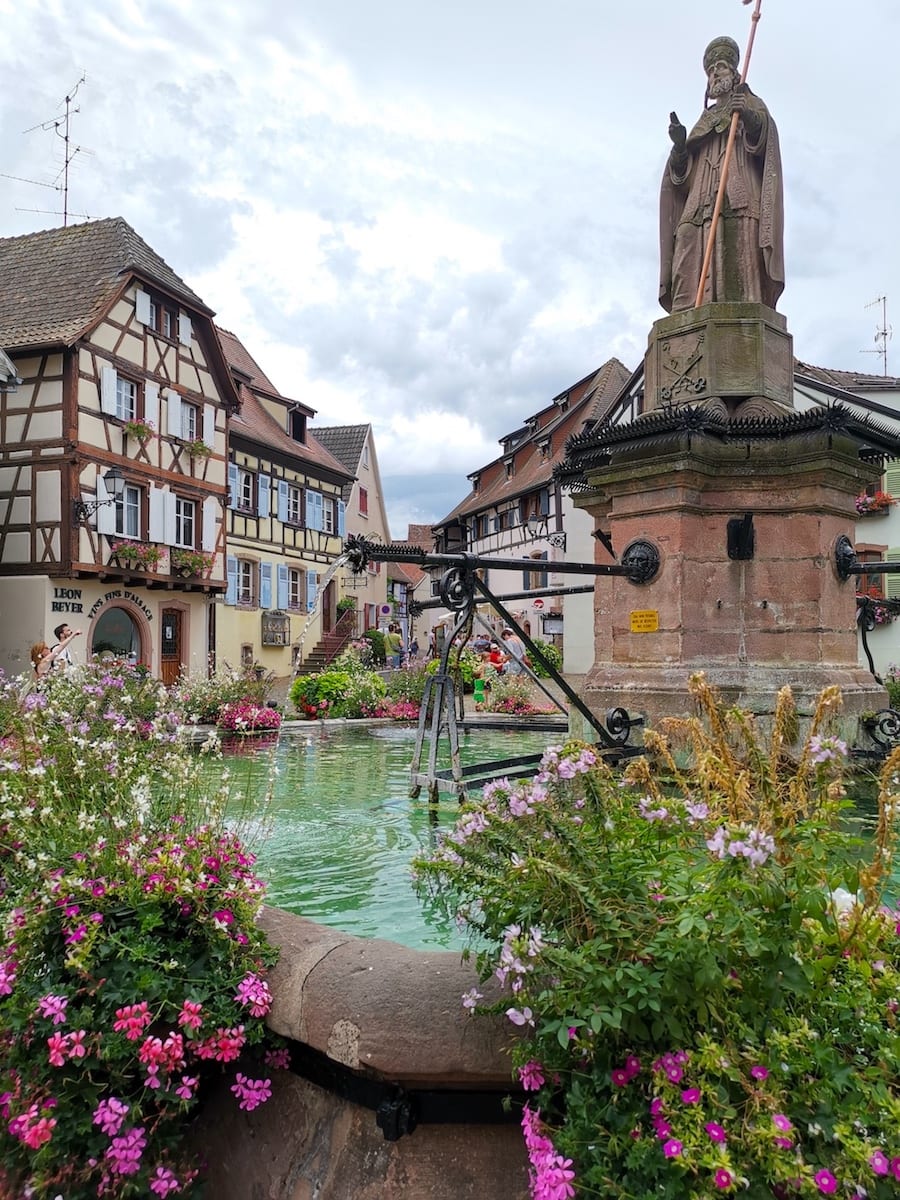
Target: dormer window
[544,448]
[297,425]
[510,465]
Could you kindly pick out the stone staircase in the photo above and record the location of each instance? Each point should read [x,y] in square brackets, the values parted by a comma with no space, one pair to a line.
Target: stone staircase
[330,646]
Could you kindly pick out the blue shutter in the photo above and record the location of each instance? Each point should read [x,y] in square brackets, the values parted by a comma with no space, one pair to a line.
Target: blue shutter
[232,487]
[262,495]
[282,594]
[342,523]
[231,578]
[282,501]
[312,587]
[265,585]
[545,502]
[496,524]
[314,518]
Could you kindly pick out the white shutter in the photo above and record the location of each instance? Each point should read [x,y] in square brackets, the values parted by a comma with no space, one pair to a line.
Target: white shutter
[312,586]
[157,514]
[210,519]
[169,501]
[106,513]
[265,585]
[282,501]
[282,596]
[209,425]
[231,579]
[142,307]
[184,329]
[108,380]
[232,485]
[173,413]
[262,496]
[151,402]
[342,521]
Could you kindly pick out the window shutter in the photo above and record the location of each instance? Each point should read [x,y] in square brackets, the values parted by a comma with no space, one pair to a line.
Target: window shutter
[312,587]
[892,481]
[892,582]
[231,580]
[157,514]
[545,502]
[496,524]
[142,307]
[313,509]
[151,401]
[282,503]
[108,390]
[342,518]
[262,495]
[282,595]
[169,518]
[173,413]
[184,329]
[232,485]
[265,585]
[209,425]
[210,519]
[526,579]
[106,513]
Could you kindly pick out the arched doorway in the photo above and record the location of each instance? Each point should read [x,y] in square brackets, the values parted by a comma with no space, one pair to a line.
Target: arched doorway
[116,634]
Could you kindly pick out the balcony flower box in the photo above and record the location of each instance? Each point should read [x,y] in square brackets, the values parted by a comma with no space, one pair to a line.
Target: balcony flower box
[139,556]
[142,430]
[192,562]
[878,505]
[198,448]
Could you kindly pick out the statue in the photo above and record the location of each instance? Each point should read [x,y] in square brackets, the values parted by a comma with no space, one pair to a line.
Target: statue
[748,262]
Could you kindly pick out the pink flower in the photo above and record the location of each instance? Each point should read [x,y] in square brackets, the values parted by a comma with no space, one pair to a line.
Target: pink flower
[674,1074]
[53,1007]
[525,1017]
[254,994]
[132,1020]
[879,1163]
[191,1016]
[690,1095]
[780,1121]
[109,1115]
[672,1148]
[251,1092]
[38,1133]
[620,1077]
[185,1089]
[656,1106]
[75,1044]
[723,1178]
[531,1076]
[759,1072]
[895,1167]
[784,1143]
[716,1132]
[279,1060]
[57,1044]
[124,1152]
[163,1181]
[825,1181]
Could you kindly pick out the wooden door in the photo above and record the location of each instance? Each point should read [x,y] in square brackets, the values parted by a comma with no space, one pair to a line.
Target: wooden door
[170,646]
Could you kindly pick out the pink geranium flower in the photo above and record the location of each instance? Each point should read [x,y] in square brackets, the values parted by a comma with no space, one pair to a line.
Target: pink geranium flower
[825,1181]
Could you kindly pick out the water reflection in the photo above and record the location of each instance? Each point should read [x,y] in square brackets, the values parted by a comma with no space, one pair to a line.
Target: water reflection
[343,828]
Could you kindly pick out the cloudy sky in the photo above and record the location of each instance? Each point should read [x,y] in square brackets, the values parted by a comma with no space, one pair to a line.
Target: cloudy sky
[435,217]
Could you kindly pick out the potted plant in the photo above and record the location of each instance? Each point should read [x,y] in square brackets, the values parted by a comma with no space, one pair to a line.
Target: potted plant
[198,448]
[878,503]
[192,562]
[143,555]
[142,430]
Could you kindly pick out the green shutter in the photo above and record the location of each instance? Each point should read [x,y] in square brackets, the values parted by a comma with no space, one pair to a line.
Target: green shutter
[892,582]
[892,479]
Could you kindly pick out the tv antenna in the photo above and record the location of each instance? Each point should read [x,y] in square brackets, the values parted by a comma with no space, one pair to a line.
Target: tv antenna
[883,334]
[62,127]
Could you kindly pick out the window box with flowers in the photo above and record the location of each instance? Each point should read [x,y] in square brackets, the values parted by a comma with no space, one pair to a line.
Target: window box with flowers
[142,556]
[876,505]
[142,430]
[192,562]
[198,448]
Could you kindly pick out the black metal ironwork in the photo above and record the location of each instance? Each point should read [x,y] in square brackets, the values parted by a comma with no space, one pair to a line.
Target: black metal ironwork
[883,727]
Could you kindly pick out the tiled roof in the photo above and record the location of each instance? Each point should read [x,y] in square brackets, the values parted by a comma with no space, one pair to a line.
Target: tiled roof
[55,284]
[255,423]
[850,380]
[344,441]
[532,468]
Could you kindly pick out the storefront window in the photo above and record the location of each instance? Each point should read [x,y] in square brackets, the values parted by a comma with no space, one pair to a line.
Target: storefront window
[116,635]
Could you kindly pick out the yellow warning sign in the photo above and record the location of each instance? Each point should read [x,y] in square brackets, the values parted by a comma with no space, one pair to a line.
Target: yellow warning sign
[645,620]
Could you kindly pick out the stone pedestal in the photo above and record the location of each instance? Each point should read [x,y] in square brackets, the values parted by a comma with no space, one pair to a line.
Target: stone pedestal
[754,624]
[735,354]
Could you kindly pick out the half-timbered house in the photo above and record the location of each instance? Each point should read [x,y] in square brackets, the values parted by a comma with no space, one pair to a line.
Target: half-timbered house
[354,446]
[112,451]
[286,524]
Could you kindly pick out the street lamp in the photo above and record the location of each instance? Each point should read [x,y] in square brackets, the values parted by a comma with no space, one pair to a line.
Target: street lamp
[114,482]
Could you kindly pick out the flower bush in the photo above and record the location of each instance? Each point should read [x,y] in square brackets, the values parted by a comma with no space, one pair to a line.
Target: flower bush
[199,698]
[337,693]
[547,653]
[246,716]
[511,694]
[704,977]
[131,967]
[196,562]
[875,503]
[197,448]
[142,554]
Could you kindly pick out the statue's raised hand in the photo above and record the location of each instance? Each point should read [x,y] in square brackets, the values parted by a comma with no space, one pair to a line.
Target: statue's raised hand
[677,132]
